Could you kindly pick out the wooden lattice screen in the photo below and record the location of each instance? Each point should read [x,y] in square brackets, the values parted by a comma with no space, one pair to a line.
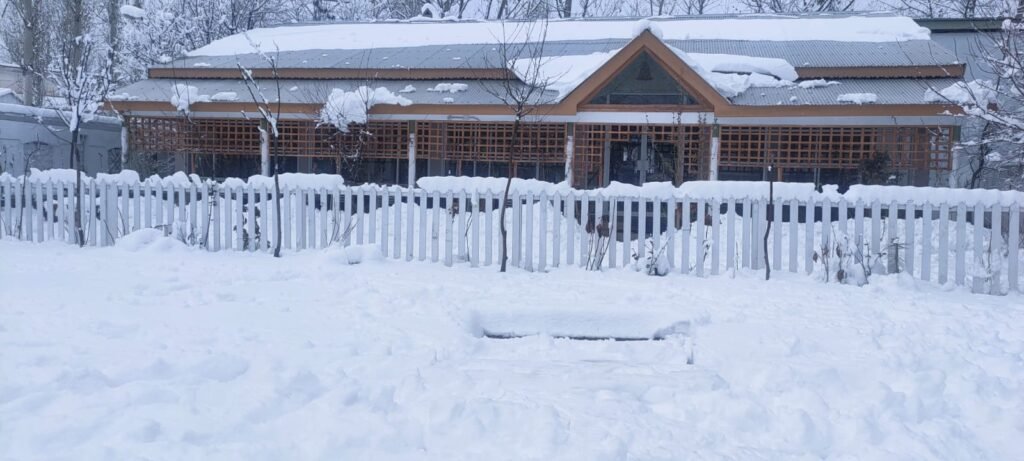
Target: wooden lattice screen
[489,141]
[916,148]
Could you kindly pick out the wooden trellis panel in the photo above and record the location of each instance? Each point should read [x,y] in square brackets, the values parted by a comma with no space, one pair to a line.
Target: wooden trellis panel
[489,141]
[916,148]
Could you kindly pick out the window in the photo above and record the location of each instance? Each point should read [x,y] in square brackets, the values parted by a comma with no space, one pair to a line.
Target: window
[643,82]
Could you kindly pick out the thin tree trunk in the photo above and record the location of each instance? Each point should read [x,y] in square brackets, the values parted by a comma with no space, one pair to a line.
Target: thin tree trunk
[76,161]
[277,205]
[504,199]
[768,228]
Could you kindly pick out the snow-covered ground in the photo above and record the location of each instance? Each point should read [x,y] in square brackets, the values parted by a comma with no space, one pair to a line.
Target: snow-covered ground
[150,350]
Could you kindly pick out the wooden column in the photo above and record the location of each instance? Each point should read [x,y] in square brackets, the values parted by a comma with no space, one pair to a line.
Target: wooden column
[569,152]
[412,155]
[715,148]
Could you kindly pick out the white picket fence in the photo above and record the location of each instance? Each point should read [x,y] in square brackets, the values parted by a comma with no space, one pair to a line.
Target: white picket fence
[943,242]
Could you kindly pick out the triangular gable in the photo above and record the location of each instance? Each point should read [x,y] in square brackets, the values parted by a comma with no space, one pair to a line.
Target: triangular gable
[689,80]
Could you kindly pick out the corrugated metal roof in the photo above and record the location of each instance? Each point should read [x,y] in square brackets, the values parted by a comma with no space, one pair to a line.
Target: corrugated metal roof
[484,56]
[889,91]
[317,91]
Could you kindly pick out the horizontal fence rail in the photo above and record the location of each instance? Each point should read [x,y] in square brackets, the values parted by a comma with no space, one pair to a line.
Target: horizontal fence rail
[975,245]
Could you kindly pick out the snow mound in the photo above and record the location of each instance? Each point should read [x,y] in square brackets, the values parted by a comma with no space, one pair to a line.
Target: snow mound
[353,254]
[303,180]
[345,107]
[408,89]
[445,184]
[733,63]
[447,88]
[225,96]
[183,96]
[817,83]
[646,25]
[149,240]
[977,92]
[560,73]
[858,98]
[574,323]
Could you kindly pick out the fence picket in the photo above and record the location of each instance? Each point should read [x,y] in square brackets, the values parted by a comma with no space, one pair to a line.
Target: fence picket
[978,225]
[422,249]
[217,205]
[893,265]
[670,232]
[410,221]
[776,235]
[926,242]
[310,206]
[996,249]
[701,238]
[909,227]
[684,257]
[360,204]
[1013,268]
[556,228]
[641,229]
[715,239]
[240,237]
[570,224]
[745,244]
[47,207]
[435,226]
[448,237]
[656,226]
[385,197]
[730,234]
[372,216]
[584,234]
[527,233]
[489,228]
[794,237]
[515,243]
[542,250]
[809,250]
[961,239]
[943,244]
[474,256]
[397,209]
[463,235]
[627,231]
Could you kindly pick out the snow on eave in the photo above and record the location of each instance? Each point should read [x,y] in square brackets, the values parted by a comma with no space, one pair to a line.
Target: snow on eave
[400,34]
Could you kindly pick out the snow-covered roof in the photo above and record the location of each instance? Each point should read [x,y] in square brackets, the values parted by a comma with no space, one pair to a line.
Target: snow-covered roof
[317,91]
[889,91]
[799,53]
[872,28]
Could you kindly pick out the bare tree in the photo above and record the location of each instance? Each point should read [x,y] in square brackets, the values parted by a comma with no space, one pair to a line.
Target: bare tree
[268,128]
[522,47]
[82,74]
[995,156]
[23,28]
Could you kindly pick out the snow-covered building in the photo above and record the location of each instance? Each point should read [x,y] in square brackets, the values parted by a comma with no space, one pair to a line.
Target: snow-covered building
[661,99]
[32,137]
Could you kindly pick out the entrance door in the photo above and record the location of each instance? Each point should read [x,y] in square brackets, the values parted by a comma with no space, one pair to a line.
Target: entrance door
[639,160]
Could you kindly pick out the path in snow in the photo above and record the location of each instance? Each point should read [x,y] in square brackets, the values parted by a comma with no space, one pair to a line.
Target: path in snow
[167,353]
